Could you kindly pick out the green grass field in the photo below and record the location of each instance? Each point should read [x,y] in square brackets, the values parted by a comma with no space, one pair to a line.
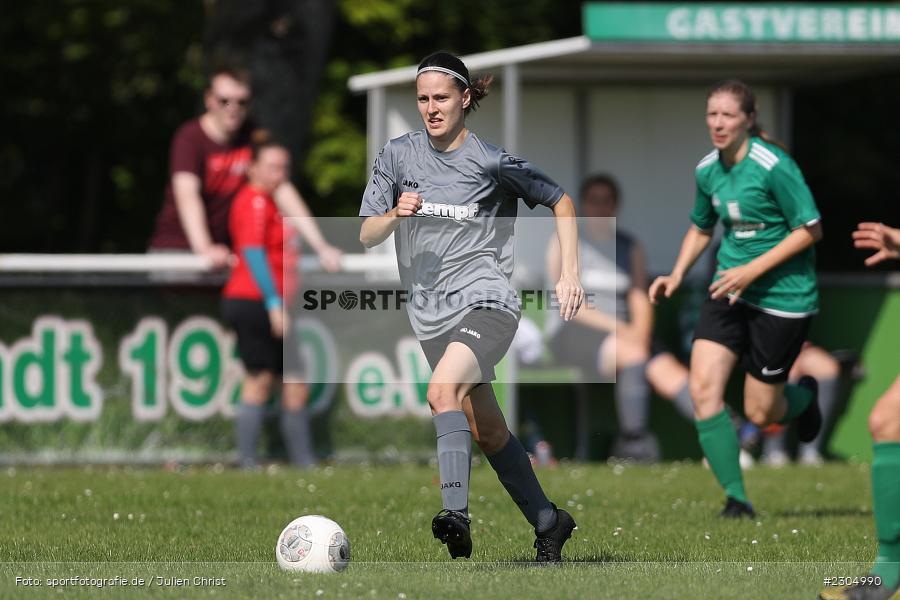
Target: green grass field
[644,532]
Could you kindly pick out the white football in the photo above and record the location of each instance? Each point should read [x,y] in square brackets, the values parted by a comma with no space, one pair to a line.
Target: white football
[314,544]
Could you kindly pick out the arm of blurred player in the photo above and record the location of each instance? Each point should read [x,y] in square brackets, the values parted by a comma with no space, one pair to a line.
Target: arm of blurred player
[880,237]
[192,214]
[640,326]
[376,229]
[291,204]
[694,243]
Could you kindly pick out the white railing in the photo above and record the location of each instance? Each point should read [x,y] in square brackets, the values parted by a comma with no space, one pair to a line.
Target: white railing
[164,262]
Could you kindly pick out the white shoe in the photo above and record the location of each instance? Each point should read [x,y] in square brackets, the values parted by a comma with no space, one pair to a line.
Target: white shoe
[746,460]
[776,459]
[810,458]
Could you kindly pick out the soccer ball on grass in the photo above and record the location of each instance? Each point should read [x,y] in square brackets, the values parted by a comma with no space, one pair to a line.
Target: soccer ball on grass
[314,544]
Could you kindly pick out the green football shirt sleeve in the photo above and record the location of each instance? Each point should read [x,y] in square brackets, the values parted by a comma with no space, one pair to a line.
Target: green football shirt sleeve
[704,215]
[793,195]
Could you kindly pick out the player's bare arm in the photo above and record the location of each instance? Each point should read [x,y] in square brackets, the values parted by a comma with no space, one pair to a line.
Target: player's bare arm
[695,242]
[376,229]
[568,287]
[734,281]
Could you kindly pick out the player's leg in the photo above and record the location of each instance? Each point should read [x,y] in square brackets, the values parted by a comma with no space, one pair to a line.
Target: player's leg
[260,354]
[774,440]
[294,397]
[552,526]
[454,375]
[764,403]
[295,423]
[774,447]
[821,365]
[507,457]
[768,403]
[632,396]
[711,365]
[669,378]
[632,390]
[255,391]
[774,344]
[884,425]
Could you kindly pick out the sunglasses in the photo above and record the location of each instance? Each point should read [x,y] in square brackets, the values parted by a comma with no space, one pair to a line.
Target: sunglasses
[238,102]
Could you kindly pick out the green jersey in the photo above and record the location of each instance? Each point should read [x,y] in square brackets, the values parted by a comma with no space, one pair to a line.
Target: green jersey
[760,200]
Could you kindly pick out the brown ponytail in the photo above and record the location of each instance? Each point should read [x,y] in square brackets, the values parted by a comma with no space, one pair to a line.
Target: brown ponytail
[478,90]
[747,100]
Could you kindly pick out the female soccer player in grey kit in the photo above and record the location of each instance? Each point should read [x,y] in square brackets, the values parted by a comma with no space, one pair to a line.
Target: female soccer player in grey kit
[450,199]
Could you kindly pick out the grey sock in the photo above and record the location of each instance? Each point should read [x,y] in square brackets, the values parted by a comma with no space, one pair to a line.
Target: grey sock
[684,403]
[828,389]
[297,437]
[515,472]
[454,453]
[632,398]
[248,424]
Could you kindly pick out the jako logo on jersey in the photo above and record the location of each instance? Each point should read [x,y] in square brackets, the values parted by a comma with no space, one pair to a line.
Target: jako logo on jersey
[410,183]
[448,211]
[451,484]
[471,332]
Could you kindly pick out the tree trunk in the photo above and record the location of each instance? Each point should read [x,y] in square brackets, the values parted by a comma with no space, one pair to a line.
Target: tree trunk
[284,43]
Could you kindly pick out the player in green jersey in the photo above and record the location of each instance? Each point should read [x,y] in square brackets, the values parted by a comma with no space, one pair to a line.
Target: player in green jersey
[883,582]
[764,291]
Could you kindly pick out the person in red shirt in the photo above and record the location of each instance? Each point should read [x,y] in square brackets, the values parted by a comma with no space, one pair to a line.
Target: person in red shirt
[253,306]
[208,162]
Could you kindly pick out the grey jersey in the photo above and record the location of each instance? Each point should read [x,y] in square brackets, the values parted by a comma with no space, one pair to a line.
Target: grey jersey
[457,252]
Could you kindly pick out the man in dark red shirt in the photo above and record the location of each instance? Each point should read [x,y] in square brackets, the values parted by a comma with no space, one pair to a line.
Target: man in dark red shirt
[207,165]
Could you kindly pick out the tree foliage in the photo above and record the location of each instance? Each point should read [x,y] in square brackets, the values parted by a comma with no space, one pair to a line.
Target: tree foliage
[92,93]
[94,89]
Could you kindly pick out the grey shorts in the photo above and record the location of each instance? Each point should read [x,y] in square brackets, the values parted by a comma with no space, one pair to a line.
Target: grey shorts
[488,332]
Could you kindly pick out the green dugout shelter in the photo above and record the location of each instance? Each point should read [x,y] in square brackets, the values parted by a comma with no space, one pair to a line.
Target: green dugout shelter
[627,97]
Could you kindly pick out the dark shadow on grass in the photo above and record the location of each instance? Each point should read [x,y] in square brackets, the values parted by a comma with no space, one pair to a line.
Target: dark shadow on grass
[528,561]
[824,512]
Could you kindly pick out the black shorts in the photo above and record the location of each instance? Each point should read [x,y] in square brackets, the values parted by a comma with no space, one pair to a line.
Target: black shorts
[258,349]
[488,332]
[766,345]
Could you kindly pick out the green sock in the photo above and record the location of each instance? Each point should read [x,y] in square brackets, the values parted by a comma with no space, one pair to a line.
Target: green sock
[720,445]
[798,398]
[886,506]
